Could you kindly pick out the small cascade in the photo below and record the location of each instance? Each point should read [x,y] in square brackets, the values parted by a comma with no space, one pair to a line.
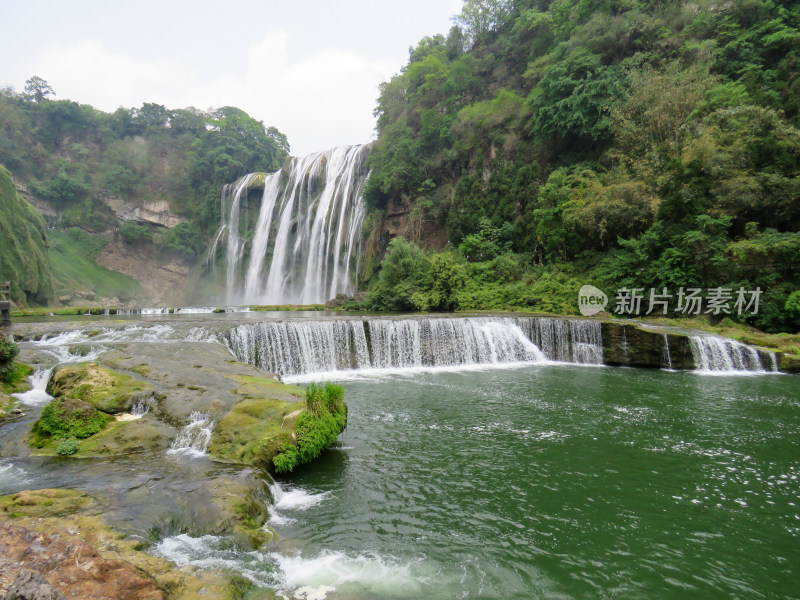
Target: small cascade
[715,354]
[294,499]
[624,343]
[194,438]
[565,340]
[666,356]
[140,409]
[37,395]
[773,362]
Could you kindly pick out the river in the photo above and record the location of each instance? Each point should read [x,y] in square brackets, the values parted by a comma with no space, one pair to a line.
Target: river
[541,480]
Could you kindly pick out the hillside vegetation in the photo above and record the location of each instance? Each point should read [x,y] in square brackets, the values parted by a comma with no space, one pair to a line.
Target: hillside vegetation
[23,252]
[537,147]
[627,144]
[77,158]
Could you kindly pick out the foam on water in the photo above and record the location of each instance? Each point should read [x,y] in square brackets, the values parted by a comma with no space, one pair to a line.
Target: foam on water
[294,576]
[289,499]
[216,552]
[394,372]
[11,474]
[295,498]
[332,569]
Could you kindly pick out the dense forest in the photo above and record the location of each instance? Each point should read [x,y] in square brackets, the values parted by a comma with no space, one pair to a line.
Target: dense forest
[537,147]
[628,144]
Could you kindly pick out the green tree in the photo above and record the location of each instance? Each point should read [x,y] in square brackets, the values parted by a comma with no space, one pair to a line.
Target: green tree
[446,278]
[572,101]
[404,271]
[37,89]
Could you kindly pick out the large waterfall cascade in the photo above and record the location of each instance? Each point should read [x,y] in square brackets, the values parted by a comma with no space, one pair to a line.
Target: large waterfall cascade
[307,237]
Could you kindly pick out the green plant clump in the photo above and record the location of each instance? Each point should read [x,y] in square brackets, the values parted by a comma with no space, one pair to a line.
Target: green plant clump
[8,352]
[318,427]
[66,418]
[68,447]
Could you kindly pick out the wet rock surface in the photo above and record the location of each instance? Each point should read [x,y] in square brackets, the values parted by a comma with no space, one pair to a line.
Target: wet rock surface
[58,541]
[38,566]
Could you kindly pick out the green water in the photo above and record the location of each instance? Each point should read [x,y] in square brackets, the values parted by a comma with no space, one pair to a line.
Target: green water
[556,482]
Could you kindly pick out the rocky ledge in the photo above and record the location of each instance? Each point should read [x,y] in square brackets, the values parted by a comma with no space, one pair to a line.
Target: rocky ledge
[53,546]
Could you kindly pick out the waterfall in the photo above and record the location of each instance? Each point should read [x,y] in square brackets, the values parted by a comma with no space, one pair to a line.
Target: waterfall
[716,354]
[666,356]
[308,232]
[446,342]
[565,340]
[230,201]
[194,438]
[37,395]
[304,346]
[293,347]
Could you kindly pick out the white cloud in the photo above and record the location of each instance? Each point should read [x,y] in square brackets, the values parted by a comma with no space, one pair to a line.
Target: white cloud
[323,99]
[320,100]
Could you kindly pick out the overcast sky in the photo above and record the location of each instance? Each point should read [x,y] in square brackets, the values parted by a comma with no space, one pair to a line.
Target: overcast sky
[309,68]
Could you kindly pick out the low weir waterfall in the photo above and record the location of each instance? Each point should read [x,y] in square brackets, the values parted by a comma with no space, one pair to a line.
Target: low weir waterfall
[307,236]
[300,347]
[716,354]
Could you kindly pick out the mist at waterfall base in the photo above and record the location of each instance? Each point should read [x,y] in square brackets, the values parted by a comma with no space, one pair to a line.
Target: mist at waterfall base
[307,239]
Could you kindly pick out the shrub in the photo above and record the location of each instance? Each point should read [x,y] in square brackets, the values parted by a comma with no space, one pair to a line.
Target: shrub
[792,307]
[8,352]
[68,447]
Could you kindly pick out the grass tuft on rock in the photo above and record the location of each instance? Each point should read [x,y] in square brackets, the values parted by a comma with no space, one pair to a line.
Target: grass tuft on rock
[318,426]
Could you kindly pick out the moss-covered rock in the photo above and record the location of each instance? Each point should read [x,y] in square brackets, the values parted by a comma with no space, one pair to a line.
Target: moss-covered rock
[63,419]
[631,345]
[789,363]
[9,407]
[51,516]
[43,503]
[260,415]
[121,438]
[109,391]
[316,428]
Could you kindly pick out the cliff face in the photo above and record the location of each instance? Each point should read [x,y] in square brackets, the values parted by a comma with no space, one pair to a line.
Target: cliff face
[23,254]
[142,272]
[163,279]
[157,212]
